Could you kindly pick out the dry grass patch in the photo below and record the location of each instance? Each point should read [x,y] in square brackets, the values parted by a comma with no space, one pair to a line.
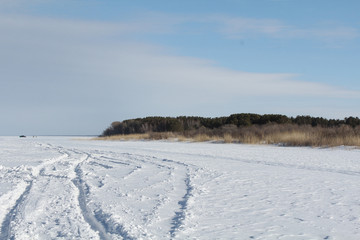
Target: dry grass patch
[228,138]
[203,138]
[291,138]
[124,137]
[162,135]
[303,136]
[284,134]
[182,138]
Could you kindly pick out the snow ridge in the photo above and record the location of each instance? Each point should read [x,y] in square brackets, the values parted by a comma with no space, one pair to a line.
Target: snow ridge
[89,218]
[6,225]
[99,221]
[68,189]
[110,226]
[179,217]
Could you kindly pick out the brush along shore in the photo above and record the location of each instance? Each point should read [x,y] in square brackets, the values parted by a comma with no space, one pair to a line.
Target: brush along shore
[286,134]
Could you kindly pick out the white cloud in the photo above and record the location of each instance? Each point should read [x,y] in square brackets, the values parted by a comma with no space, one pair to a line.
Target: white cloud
[67,49]
[43,26]
[237,27]
[76,67]
[246,27]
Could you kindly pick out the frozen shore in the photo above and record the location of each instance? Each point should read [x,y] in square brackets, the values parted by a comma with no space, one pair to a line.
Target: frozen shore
[57,187]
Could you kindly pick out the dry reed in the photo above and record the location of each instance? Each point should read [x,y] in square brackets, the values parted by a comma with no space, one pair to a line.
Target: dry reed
[124,137]
[284,134]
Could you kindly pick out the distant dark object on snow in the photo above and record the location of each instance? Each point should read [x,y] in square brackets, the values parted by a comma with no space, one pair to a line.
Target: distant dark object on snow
[22,136]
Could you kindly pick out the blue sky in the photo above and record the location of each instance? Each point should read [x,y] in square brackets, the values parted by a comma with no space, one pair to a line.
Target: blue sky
[74,66]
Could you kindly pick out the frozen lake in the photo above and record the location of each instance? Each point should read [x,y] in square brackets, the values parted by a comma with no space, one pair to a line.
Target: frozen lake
[58,187]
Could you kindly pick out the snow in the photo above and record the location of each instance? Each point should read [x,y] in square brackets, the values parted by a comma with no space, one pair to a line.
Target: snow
[64,188]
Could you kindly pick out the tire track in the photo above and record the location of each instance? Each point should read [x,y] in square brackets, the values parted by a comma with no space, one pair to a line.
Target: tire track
[6,225]
[265,163]
[6,228]
[98,221]
[179,217]
[86,212]
[158,174]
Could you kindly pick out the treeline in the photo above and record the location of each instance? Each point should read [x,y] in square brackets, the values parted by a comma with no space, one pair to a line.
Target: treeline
[185,124]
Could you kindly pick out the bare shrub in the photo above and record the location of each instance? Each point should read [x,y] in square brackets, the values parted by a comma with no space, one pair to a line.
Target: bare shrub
[124,137]
[228,138]
[203,138]
[284,134]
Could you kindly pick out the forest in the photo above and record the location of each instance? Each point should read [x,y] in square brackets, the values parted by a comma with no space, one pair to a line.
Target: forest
[219,125]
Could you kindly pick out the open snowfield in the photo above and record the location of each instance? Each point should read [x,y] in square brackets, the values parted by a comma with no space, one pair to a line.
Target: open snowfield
[61,188]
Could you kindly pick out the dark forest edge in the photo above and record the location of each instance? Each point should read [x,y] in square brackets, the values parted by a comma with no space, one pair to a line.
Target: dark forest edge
[243,128]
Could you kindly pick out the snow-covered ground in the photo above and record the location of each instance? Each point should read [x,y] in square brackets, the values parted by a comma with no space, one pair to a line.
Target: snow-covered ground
[63,188]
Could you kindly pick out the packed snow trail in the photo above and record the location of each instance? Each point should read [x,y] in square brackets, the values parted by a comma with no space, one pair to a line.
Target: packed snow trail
[59,188]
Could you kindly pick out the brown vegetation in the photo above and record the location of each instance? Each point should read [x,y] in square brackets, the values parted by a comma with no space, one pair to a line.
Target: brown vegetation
[283,134]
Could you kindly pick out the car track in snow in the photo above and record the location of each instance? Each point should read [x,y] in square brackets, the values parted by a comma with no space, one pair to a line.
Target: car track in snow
[6,228]
[88,216]
[97,220]
[77,172]
[174,175]
[68,189]
[43,202]
[6,225]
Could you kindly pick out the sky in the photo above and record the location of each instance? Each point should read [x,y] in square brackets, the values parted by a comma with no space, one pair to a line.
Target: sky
[72,67]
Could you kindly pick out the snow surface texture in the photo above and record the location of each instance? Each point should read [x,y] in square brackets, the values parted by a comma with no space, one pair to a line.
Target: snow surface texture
[59,188]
